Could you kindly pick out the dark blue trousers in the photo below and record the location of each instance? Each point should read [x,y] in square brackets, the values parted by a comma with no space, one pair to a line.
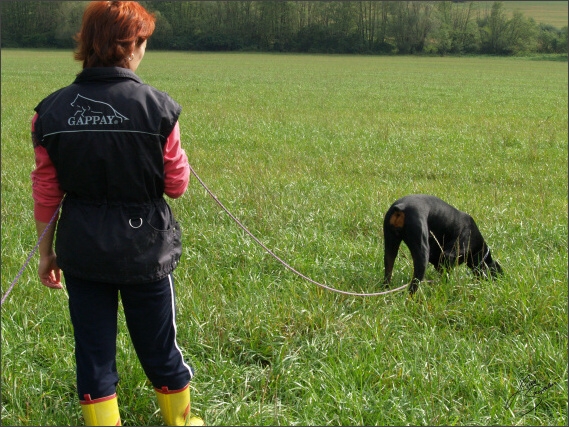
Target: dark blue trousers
[149,310]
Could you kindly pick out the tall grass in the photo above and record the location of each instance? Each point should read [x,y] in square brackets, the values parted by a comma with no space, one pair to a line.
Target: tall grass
[308,152]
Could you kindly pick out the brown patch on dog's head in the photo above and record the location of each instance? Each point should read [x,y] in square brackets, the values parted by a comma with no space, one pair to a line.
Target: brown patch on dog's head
[397,219]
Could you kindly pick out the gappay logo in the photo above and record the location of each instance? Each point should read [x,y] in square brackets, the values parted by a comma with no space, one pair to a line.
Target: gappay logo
[91,112]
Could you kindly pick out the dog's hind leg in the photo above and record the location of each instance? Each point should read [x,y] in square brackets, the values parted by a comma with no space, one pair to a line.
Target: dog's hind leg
[391,248]
[420,263]
[419,248]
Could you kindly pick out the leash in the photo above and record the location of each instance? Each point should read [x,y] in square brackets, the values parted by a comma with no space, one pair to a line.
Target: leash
[483,262]
[484,257]
[213,196]
[49,224]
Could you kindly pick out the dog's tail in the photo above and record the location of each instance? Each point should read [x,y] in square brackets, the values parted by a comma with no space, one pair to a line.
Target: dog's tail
[395,217]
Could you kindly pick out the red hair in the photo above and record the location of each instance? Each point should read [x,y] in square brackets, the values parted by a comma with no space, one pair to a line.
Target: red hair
[109,30]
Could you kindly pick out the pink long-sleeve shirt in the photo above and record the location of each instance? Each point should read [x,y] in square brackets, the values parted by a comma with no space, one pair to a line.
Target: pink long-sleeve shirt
[47,194]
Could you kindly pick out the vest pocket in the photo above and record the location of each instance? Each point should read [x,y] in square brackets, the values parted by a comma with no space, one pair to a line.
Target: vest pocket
[118,243]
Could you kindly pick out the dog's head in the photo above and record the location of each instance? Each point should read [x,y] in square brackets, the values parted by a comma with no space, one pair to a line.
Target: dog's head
[487,267]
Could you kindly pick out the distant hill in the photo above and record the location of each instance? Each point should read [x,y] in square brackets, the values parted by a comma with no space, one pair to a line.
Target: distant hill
[547,12]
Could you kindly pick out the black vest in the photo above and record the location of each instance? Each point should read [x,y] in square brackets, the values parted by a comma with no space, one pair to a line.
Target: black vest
[105,135]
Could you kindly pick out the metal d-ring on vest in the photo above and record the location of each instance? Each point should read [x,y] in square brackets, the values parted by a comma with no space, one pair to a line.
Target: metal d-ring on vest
[136,219]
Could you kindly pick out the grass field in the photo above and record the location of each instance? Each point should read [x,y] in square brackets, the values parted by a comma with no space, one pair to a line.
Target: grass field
[309,151]
[547,12]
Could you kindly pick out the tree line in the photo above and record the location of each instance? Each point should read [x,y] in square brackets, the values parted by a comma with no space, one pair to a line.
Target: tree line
[364,27]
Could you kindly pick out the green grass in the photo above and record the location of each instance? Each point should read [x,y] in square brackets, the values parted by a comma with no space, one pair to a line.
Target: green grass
[546,12]
[309,151]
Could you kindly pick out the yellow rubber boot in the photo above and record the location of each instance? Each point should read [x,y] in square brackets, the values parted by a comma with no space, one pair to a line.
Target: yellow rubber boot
[175,407]
[101,412]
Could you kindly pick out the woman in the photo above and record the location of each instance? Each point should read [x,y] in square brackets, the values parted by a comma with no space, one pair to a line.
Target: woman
[111,145]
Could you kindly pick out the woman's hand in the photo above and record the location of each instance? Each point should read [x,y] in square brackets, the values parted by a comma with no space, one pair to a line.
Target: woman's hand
[49,272]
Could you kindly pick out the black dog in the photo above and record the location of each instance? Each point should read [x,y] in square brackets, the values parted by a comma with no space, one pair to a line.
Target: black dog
[434,232]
